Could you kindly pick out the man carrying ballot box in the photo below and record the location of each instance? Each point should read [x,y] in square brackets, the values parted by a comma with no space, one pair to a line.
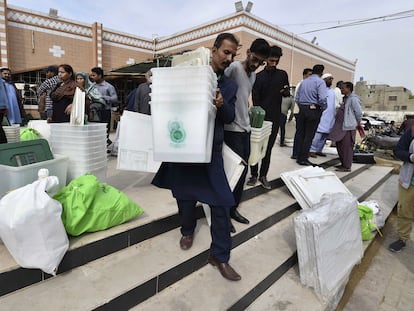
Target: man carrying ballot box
[206,182]
[237,134]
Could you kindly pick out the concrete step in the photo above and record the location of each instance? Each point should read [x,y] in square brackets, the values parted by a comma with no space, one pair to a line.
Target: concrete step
[288,291]
[130,276]
[152,264]
[159,217]
[274,254]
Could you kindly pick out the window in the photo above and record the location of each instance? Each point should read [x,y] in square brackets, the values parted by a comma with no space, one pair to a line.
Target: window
[396,108]
[392,98]
[403,107]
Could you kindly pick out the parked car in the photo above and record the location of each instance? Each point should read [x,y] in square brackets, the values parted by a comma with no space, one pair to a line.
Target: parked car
[381,119]
[370,121]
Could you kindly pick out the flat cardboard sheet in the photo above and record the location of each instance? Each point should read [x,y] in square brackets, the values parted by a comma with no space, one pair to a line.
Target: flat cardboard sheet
[308,185]
[135,150]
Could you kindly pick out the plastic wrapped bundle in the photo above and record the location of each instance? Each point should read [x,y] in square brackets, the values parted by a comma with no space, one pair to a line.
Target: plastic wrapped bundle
[329,244]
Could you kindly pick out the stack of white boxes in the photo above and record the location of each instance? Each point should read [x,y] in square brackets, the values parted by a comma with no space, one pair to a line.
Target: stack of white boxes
[85,146]
[183,113]
[259,139]
[12,133]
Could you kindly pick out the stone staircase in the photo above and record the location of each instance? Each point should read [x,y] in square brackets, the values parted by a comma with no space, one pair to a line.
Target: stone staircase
[139,264]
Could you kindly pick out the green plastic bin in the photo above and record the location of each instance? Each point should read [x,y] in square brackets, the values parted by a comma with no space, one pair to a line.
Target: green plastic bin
[257,116]
[25,152]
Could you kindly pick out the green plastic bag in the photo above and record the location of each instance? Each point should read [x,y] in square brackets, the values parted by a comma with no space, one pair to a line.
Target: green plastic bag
[366,219]
[89,206]
[29,134]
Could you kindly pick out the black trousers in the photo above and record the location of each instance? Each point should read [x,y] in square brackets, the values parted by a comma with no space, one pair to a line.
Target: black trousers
[220,227]
[3,138]
[239,142]
[265,163]
[106,118]
[308,121]
[282,126]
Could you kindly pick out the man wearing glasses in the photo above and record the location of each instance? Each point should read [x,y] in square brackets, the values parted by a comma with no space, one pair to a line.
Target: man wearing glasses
[237,133]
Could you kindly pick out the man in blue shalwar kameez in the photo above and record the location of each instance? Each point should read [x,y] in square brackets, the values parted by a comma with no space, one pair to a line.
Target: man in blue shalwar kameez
[206,182]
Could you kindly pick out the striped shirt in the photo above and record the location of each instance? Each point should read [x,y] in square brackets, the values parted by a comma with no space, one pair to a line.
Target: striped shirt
[47,87]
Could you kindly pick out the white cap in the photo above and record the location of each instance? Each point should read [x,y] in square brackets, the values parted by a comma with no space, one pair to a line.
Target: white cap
[43,173]
[326,75]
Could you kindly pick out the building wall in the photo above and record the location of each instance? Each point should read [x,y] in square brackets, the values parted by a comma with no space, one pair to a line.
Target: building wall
[297,52]
[35,40]
[382,97]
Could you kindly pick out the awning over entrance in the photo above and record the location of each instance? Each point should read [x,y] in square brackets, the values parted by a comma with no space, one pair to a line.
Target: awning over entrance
[141,68]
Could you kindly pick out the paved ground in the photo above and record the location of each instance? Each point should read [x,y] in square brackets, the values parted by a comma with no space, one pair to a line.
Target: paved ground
[387,282]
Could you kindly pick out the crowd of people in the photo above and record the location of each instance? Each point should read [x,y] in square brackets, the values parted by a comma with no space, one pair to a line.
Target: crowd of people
[270,89]
[321,113]
[58,90]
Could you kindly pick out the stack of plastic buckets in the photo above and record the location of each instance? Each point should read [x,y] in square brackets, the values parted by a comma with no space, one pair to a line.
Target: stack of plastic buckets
[258,142]
[183,113]
[12,133]
[85,146]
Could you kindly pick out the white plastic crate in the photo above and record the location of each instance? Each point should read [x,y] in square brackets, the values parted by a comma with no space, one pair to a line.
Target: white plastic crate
[65,129]
[183,120]
[99,172]
[15,177]
[183,131]
[258,148]
[182,73]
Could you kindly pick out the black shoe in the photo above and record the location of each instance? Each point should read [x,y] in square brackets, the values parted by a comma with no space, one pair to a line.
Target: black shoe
[238,217]
[252,181]
[265,183]
[397,246]
[283,145]
[293,157]
[306,163]
[232,229]
[186,241]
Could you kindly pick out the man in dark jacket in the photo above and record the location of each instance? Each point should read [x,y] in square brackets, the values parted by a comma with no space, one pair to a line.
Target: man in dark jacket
[271,84]
[207,182]
[142,96]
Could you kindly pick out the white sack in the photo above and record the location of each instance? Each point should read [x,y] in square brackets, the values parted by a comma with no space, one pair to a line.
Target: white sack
[31,226]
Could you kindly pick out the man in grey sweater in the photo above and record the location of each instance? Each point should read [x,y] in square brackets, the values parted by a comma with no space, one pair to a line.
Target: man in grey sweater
[237,133]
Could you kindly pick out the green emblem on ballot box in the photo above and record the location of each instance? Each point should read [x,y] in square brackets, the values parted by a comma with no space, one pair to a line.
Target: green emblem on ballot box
[177,132]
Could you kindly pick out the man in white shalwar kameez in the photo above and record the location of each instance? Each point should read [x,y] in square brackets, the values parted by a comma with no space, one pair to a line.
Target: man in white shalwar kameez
[327,120]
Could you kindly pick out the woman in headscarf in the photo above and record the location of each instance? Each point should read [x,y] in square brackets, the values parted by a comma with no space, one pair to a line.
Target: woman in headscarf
[93,95]
[82,79]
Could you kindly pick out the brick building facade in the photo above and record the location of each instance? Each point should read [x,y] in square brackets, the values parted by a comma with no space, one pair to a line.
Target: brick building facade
[30,41]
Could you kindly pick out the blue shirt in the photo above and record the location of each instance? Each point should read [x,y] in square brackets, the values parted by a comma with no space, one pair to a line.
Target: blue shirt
[4,101]
[312,91]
